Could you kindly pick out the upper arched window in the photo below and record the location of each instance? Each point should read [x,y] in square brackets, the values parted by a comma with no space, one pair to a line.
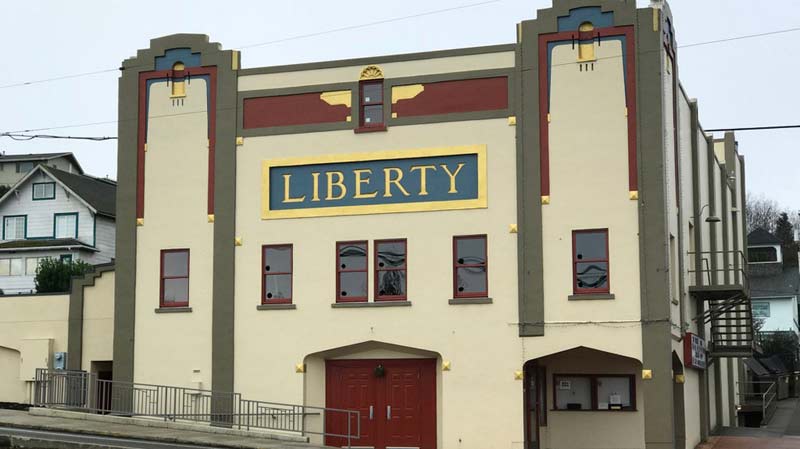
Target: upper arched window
[178,84]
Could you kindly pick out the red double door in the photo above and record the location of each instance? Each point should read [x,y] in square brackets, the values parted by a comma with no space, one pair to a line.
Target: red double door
[396,399]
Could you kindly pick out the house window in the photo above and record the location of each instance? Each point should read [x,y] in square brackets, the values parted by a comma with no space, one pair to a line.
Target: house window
[14,227]
[371,104]
[590,261]
[351,271]
[276,282]
[24,167]
[65,226]
[594,392]
[32,264]
[12,267]
[470,267]
[44,191]
[760,309]
[390,270]
[762,254]
[66,258]
[174,277]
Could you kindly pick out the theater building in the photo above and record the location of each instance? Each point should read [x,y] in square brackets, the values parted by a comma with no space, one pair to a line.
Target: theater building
[531,245]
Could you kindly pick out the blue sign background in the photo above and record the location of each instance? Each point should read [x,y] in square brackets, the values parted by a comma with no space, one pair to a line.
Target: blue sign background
[437,182]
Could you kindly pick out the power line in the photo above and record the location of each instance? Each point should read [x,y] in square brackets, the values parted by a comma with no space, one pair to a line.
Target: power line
[276,41]
[754,128]
[25,137]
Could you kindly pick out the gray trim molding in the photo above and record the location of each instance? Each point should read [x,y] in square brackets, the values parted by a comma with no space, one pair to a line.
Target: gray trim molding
[172,309]
[468,301]
[75,317]
[276,306]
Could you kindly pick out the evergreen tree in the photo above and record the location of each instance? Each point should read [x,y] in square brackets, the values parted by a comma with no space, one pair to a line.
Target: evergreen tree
[785,233]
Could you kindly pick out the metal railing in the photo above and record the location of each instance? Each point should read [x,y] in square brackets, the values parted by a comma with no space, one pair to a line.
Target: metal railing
[82,391]
[765,399]
[731,268]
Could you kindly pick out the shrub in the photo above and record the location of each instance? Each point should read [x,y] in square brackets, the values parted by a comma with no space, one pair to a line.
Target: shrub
[53,275]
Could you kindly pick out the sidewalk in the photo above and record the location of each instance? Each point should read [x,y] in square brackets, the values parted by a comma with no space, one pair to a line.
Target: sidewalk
[117,427]
[783,432]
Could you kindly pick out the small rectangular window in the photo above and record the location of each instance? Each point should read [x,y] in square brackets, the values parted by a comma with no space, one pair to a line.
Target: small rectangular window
[351,271]
[590,261]
[594,392]
[390,270]
[14,227]
[470,267]
[5,267]
[32,264]
[44,190]
[371,110]
[174,278]
[276,282]
[17,267]
[66,258]
[65,226]
[24,167]
[762,254]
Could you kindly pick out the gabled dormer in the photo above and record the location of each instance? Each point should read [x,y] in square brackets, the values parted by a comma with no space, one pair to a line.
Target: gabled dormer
[764,253]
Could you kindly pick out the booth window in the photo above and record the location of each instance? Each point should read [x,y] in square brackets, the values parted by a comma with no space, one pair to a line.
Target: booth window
[590,261]
[276,283]
[594,392]
[371,104]
[470,267]
[351,271]
[174,278]
[390,270]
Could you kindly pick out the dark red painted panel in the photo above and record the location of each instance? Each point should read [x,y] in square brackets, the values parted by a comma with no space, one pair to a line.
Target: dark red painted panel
[288,110]
[447,97]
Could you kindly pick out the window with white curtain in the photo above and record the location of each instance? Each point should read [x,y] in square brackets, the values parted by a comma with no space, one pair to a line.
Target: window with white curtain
[66,226]
[14,227]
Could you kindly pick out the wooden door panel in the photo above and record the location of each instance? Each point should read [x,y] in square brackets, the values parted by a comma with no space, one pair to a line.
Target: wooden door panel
[410,391]
[350,387]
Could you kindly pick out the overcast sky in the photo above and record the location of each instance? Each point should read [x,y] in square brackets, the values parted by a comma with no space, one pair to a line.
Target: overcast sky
[738,83]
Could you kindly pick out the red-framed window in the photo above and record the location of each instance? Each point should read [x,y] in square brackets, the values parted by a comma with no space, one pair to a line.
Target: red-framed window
[590,267]
[174,291]
[351,271]
[276,274]
[371,107]
[470,267]
[390,270]
[598,392]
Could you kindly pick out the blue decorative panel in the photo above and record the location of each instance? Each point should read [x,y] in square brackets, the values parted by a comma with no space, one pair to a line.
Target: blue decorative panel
[369,183]
[174,55]
[592,14]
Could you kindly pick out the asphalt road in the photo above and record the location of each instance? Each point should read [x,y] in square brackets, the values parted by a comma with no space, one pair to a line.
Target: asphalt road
[97,440]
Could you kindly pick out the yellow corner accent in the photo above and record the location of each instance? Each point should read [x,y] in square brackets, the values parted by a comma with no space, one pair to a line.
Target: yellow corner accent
[481,202]
[519,31]
[633,195]
[518,375]
[647,374]
[239,140]
[145,148]
[626,112]
[512,120]
[545,199]
[237,241]
[140,222]
[235,60]
[371,72]
[656,20]
[394,114]
[300,368]
[680,378]
[348,119]
[337,97]
[406,92]
[512,228]
[446,365]
[211,218]
[548,117]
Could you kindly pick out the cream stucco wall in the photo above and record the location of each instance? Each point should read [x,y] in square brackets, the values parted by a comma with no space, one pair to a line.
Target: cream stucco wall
[588,190]
[31,329]
[390,70]
[275,341]
[170,346]
[98,321]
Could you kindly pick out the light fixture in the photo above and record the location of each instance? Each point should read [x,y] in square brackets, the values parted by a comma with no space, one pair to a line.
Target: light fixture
[713,219]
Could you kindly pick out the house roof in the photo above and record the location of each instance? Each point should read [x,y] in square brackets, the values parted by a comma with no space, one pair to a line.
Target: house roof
[761,236]
[34,157]
[774,364]
[784,283]
[100,193]
[16,245]
[756,367]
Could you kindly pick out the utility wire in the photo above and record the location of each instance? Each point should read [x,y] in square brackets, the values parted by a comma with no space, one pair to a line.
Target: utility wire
[276,41]
[697,44]
[25,137]
[753,128]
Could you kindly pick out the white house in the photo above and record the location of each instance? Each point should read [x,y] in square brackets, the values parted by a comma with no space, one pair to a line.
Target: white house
[773,284]
[14,167]
[51,213]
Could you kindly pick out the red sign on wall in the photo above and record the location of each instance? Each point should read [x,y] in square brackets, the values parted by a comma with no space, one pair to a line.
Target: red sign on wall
[694,351]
